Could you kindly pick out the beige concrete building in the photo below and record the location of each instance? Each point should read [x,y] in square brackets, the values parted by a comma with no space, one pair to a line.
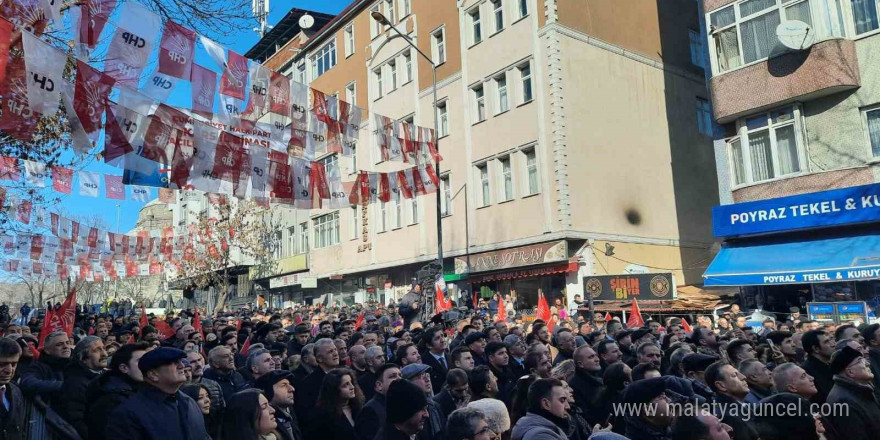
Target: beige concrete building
[571,138]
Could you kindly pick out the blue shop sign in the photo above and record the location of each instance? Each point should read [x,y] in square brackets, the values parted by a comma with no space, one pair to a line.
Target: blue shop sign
[857,204]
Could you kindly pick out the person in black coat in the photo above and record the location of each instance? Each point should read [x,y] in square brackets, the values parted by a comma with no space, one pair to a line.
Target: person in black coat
[45,377]
[730,388]
[327,358]
[222,362]
[338,405]
[278,389]
[407,412]
[819,348]
[88,360]
[853,389]
[159,411]
[587,383]
[13,422]
[410,305]
[113,387]
[434,354]
[372,416]
[456,393]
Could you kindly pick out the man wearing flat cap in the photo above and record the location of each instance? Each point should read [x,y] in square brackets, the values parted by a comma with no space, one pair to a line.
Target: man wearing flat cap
[420,375]
[159,411]
[853,389]
[406,411]
[643,424]
[694,366]
[278,388]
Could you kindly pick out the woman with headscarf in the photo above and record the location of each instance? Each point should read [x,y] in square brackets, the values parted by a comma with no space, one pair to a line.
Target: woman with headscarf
[248,416]
[338,405]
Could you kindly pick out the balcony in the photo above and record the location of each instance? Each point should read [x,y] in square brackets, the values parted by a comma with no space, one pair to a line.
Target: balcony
[829,67]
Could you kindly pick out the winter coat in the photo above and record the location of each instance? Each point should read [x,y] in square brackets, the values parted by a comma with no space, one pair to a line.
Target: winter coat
[325,425]
[104,395]
[230,382]
[822,376]
[367,383]
[863,417]
[72,407]
[371,418]
[535,427]
[13,422]
[151,414]
[44,377]
[586,387]
[215,392]
[742,429]
[287,427]
[438,371]
[307,395]
[639,429]
[435,424]
[756,394]
[874,358]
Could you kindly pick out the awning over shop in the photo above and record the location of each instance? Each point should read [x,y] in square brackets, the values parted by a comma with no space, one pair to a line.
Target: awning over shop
[782,260]
[525,273]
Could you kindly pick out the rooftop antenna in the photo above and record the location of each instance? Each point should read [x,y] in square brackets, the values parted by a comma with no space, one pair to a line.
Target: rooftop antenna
[260,11]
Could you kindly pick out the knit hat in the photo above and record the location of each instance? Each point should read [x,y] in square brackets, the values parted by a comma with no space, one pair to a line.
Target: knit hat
[841,358]
[645,390]
[403,400]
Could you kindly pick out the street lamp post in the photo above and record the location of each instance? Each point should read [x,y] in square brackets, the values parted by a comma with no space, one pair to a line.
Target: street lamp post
[382,20]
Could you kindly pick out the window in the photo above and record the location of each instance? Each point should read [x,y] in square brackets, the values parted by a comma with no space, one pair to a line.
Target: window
[445,196]
[406,8]
[392,68]
[523,8]
[301,73]
[398,211]
[324,59]
[349,40]
[476,26]
[865,15]
[375,27]
[442,119]
[438,46]
[355,233]
[378,75]
[329,161]
[872,118]
[291,241]
[704,117]
[351,93]
[479,104]
[696,44]
[506,179]
[276,245]
[414,209]
[501,88]
[498,14]
[304,238]
[389,10]
[407,60]
[383,215]
[525,75]
[531,171]
[327,230]
[484,195]
[767,146]
[745,32]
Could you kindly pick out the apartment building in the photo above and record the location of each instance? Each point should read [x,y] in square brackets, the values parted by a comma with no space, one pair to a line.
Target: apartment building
[797,147]
[575,135]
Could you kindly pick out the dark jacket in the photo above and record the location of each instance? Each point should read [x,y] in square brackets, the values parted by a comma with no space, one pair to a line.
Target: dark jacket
[560,358]
[215,391]
[13,423]
[325,425]
[822,375]
[371,418]
[506,383]
[438,371]
[874,357]
[446,403]
[639,429]
[230,382]
[757,393]
[389,432]
[301,373]
[287,424]
[72,407]
[586,387]
[435,424]
[535,427]
[726,411]
[367,382]
[150,414]
[863,417]
[104,395]
[517,369]
[307,395]
[44,377]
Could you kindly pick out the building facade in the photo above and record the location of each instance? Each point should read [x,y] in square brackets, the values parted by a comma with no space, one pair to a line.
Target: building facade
[575,135]
[798,125]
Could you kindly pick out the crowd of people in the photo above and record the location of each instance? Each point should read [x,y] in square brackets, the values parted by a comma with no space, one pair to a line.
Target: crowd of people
[325,373]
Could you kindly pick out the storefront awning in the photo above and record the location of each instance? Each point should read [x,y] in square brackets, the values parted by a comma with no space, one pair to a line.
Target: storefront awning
[828,259]
[525,273]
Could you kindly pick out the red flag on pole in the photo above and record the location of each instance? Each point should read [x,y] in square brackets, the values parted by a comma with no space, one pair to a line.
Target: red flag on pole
[359,322]
[144,321]
[687,327]
[502,313]
[551,324]
[245,347]
[474,299]
[607,317]
[543,308]
[197,324]
[61,319]
[165,330]
[441,304]
[635,316]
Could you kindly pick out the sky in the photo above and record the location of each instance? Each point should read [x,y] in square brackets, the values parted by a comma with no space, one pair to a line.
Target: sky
[128,209]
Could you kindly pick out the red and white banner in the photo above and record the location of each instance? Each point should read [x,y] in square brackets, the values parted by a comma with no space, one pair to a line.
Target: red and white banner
[204,87]
[88,183]
[5,39]
[132,44]
[62,179]
[35,173]
[45,69]
[93,17]
[113,187]
[279,94]
[90,97]
[140,193]
[234,79]
[176,50]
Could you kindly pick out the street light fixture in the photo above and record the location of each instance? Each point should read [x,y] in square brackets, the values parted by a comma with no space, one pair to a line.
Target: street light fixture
[381,19]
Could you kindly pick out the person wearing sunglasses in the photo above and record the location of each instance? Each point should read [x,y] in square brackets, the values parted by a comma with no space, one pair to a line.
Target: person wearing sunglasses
[469,424]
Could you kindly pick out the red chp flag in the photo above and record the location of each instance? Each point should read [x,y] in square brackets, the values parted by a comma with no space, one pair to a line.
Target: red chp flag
[62,179]
[176,50]
[502,313]
[685,326]
[113,187]
[359,321]
[61,319]
[635,316]
[197,324]
[543,308]
[204,86]
[441,303]
[90,95]
[234,78]
[5,39]
[93,18]
[607,317]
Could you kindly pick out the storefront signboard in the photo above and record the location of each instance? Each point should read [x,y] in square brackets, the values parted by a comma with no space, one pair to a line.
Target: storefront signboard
[838,312]
[515,257]
[645,287]
[856,204]
[852,311]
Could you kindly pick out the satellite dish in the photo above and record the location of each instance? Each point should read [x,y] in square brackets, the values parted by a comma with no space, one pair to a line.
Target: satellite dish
[795,34]
[306,21]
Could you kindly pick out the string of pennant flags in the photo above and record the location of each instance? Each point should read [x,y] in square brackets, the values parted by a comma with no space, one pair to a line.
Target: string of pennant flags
[264,150]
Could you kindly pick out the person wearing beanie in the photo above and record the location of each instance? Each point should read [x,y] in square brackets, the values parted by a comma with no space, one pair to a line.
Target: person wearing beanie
[547,416]
[496,414]
[278,388]
[853,388]
[159,411]
[641,424]
[406,411]
[88,360]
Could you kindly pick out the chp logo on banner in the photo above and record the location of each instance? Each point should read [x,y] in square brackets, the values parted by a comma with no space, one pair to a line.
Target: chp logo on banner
[234,78]
[35,173]
[176,50]
[90,96]
[113,187]
[62,179]
[93,18]
[140,193]
[44,65]
[132,45]
[204,87]
[88,183]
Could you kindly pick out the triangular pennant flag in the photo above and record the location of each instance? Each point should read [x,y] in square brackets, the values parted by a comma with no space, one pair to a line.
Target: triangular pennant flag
[35,173]
[113,187]
[246,347]
[359,321]
[543,312]
[62,179]
[608,317]
[176,50]
[45,69]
